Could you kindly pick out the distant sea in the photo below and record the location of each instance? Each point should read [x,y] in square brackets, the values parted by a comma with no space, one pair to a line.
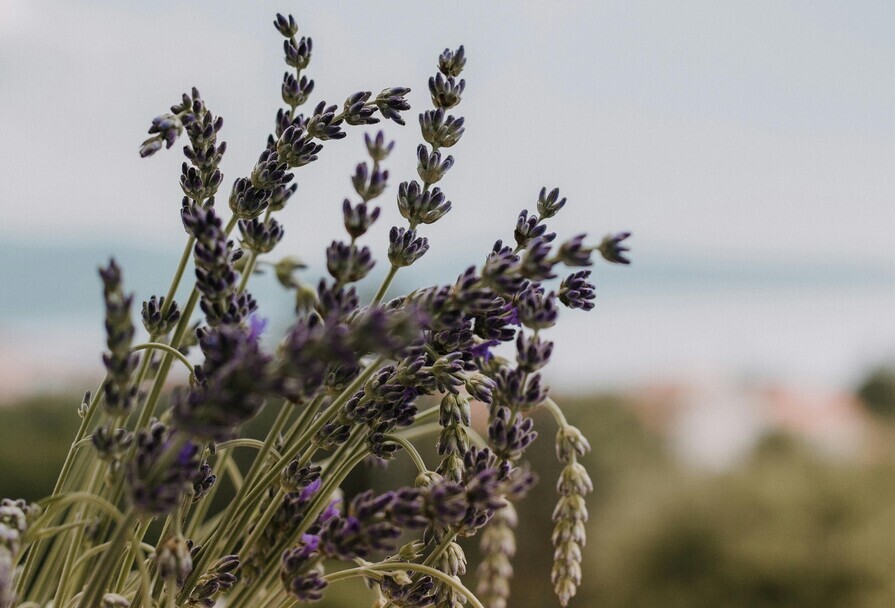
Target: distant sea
[667,317]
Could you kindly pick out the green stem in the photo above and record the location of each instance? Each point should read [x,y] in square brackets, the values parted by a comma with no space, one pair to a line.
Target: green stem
[415,432]
[70,498]
[100,578]
[144,580]
[383,288]
[129,555]
[171,592]
[225,463]
[36,551]
[86,423]
[411,451]
[206,553]
[440,548]
[178,275]
[295,431]
[247,271]
[232,470]
[66,584]
[300,425]
[551,406]
[405,566]
[242,506]
[248,443]
[261,526]
[170,350]
[427,415]
[54,530]
[316,507]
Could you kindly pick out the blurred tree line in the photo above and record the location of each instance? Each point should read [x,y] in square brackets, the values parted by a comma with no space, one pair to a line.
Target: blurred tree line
[785,527]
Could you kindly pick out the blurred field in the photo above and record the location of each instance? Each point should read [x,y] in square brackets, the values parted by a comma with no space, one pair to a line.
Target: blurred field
[787,526]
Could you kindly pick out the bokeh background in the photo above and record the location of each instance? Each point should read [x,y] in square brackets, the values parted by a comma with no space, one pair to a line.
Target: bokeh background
[734,379]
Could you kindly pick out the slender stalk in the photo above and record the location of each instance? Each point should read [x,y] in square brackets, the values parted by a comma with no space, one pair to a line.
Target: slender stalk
[551,406]
[168,349]
[314,510]
[97,584]
[178,275]
[383,288]
[440,548]
[266,448]
[269,513]
[411,451]
[86,423]
[54,530]
[37,550]
[241,505]
[247,271]
[171,592]
[400,567]
[300,425]
[65,582]
[70,498]
[433,556]
[248,443]
[129,555]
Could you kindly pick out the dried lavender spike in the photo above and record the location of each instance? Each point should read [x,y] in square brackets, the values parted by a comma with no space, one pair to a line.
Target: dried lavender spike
[498,547]
[570,514]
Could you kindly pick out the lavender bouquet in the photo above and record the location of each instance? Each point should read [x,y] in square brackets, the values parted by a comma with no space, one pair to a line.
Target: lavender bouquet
[347,384]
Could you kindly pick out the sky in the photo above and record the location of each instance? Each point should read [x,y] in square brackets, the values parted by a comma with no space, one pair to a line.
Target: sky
[725,136]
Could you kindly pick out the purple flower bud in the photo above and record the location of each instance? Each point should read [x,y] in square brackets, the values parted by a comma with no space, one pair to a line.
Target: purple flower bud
[356,110]
[574,252]
[510,435]
[430,167]
[446,92]
[391,102]
[537,309]
[439,130]
[377,147]
[576,291]
[405,247]
[286,25]
[532,353]
[529,227]
[157,492]
[612,248]
[451,63]
[419,206]
[550,204]
[348,263]
[359,218]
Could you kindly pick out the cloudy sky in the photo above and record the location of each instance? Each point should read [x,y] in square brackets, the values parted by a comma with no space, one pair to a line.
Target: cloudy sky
[758,134]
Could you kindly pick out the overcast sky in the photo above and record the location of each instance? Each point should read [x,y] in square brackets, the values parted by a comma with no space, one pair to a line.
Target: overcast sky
[760,128]
[754,131]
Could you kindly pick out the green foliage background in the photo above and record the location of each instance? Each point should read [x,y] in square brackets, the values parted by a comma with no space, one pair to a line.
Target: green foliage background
[786,527]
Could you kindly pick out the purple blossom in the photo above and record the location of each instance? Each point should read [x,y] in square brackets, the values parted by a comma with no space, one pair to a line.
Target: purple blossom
[483,349]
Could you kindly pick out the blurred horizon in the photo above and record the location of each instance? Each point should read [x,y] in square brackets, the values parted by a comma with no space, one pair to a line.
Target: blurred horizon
[667,316]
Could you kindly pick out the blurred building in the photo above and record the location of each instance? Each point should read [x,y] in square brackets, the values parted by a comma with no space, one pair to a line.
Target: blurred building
[713,422]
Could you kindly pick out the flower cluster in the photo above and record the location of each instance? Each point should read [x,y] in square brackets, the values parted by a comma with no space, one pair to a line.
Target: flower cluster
[352,380]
